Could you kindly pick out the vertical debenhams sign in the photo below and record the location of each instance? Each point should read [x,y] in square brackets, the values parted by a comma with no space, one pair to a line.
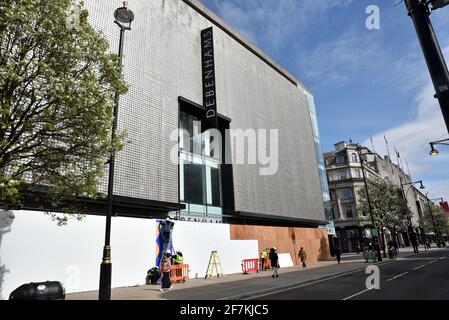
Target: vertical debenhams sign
[209,90]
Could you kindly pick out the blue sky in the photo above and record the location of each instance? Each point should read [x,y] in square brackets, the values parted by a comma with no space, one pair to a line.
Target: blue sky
[365,82]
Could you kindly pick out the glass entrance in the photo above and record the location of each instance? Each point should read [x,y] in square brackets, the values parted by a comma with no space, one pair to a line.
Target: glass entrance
[199,174]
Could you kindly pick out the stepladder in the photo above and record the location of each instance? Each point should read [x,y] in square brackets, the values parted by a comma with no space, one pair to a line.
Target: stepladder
[214,266]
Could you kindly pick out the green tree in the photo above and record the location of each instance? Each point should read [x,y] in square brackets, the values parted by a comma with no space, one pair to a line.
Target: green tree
[435,220]
[57,93]
[388,207]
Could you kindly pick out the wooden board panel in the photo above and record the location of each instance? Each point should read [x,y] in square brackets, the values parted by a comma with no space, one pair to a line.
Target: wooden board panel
[287,240]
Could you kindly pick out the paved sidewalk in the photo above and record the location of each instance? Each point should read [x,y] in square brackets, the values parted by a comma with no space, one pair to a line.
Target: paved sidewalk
[239,286]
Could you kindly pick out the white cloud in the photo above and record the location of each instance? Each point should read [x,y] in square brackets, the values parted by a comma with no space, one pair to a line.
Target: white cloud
[412,138]
[337,62]
[438,189]
[270,22]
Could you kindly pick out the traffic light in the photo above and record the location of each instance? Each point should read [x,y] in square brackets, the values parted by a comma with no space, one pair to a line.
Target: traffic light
[438,4]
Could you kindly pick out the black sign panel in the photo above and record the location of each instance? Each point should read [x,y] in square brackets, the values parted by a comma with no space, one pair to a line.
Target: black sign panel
[210,120]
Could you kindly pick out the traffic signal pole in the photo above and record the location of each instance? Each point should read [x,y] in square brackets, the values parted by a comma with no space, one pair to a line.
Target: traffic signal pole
[420,13]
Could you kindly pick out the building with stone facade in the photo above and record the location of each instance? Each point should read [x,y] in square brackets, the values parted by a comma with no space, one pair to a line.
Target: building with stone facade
[344,173]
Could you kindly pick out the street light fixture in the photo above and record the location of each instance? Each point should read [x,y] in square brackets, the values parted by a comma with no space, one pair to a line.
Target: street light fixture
[434,152]
[422,187]
[122,16]
[438,4]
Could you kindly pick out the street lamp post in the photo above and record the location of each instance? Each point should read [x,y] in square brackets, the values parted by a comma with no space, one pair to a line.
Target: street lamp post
[123,18]
[409,215]
[422,228]
[405,194]
[376,239]
[419,11]
[435,228]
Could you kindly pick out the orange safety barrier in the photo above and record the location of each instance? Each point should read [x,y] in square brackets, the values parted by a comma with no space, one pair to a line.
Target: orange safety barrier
[179,272]
[267,263]
[250,265]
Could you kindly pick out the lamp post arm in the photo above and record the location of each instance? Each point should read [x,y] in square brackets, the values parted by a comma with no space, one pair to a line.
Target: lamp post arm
[443,142]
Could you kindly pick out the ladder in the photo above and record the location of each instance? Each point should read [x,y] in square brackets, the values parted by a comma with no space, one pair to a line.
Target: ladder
[214,263]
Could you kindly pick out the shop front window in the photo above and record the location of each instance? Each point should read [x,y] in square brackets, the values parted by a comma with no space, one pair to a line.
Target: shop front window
[200,176]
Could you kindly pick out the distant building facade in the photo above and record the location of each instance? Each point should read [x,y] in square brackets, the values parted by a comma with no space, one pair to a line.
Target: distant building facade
[345,178]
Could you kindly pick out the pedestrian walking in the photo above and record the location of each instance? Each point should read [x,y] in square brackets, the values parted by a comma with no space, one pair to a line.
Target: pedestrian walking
[338,254]
[303,256]
[274,258]
[166,268]
[415,243]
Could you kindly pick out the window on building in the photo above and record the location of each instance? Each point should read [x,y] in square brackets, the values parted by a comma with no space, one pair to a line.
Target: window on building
[340,160]
[357,173]
[190,141]
[354,158]
[335,213]
[339,175]
[349,212]
[345,194]
[342,175]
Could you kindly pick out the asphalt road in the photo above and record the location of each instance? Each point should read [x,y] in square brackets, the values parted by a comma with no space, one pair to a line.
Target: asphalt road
[422,277]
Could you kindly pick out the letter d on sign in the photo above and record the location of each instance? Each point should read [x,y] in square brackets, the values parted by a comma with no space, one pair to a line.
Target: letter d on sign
[373,281]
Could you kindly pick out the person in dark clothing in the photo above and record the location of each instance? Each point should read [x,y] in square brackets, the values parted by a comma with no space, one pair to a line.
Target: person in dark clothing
[303,256]
[166,268]
[274,258]
[414,242]
[338,254]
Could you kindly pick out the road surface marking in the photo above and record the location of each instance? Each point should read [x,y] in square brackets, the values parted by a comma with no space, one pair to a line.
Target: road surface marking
[417,268]
[302,285]
[294,287]
[397,277]
[357,294]
[433,261]
[416,259]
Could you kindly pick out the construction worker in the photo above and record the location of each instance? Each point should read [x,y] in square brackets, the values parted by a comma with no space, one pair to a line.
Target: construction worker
[179,259]
[267,259]
[263,257]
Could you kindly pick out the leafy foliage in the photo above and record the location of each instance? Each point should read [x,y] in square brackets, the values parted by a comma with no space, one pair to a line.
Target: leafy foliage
[388,207]
[57,93]
[439,217]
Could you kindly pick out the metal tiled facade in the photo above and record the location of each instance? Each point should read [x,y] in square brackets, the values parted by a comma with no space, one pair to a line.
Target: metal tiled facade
[162,61]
